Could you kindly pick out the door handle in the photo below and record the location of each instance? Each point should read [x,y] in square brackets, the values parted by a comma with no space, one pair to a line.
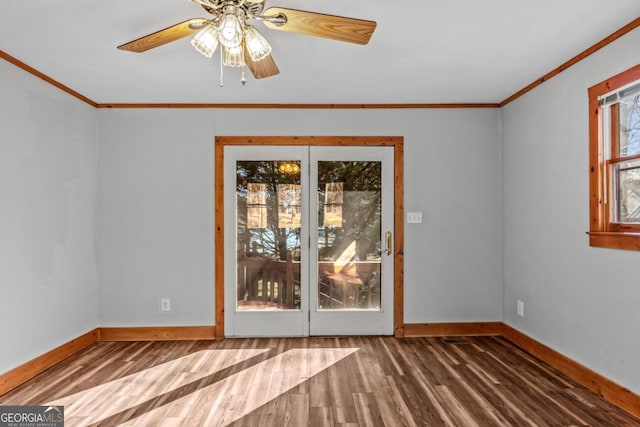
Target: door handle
[388,250]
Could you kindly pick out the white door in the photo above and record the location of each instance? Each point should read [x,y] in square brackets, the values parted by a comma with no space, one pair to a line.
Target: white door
[266,241]
[351,223]
[307,241]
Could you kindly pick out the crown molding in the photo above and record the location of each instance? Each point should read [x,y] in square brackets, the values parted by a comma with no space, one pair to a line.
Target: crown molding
[305,106]
[29,69]
[579,57]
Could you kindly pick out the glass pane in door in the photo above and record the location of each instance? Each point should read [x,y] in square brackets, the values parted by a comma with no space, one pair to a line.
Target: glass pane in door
[269,207]
[349,235]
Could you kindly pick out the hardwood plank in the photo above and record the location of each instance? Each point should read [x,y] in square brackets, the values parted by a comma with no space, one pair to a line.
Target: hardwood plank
[315,381]
[321,417]
[297,410]
[367,409]
[389,404]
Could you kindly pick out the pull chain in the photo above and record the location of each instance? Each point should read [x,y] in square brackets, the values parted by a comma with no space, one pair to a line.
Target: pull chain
[221,69]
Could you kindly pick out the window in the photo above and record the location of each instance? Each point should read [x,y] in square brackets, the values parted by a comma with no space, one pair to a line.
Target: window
[614,157]
[257,205]
[289,205]
[333,199]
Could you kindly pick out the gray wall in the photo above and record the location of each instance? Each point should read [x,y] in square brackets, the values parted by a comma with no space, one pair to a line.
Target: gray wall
[48,172]
[155,233]
[579,300]
[155,215]
[155,221]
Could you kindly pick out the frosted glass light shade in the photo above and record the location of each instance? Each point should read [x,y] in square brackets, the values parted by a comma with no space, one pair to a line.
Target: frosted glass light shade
[257,46]
[230,31]
[233,56]
[206,41]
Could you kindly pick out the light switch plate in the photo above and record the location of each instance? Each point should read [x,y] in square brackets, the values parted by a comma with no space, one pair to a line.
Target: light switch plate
[414,217]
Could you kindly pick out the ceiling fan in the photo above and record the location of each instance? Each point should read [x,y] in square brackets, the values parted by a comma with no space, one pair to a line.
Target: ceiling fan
[241,43]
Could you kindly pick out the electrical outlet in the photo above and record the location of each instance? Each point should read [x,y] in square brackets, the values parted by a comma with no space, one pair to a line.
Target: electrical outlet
[165,304]
[520,308]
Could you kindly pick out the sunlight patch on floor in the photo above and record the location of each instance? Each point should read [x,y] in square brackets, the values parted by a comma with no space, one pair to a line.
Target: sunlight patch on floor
[105,400]
[179,391]
[232,398]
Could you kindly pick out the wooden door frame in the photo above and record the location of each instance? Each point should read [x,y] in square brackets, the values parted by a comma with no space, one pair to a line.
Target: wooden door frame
[397,142]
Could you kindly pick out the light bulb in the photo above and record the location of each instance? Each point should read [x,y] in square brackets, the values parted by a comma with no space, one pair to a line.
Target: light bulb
[206,41]
[257,46]
[233,56]
[230,31]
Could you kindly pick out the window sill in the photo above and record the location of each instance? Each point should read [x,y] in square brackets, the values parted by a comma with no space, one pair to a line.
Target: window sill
[615,240]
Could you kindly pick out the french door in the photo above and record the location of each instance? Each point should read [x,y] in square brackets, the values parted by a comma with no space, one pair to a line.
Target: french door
[308,235]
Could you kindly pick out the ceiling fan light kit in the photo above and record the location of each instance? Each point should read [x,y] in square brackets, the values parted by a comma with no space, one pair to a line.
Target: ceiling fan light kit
[233,57]
[257,46]
[241,43]
[206,41]
[230,30]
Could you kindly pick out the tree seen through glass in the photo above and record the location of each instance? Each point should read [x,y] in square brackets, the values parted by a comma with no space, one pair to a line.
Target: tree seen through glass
[628,172]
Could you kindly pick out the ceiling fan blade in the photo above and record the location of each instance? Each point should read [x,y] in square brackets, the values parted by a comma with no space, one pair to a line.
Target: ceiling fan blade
[165,36]
[266,67]
[320,25]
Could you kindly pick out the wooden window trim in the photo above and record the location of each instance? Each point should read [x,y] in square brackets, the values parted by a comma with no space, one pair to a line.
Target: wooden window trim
[602,232]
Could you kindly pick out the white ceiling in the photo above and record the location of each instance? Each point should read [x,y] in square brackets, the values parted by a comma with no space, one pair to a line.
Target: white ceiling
[423,51]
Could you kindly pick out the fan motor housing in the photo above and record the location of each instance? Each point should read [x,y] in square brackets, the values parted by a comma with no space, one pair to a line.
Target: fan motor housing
[251,7]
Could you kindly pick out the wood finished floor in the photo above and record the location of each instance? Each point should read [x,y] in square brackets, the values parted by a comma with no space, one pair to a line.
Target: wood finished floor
[351,381]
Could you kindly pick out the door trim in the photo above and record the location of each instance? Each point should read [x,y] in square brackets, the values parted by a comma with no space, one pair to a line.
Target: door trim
[397,142]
